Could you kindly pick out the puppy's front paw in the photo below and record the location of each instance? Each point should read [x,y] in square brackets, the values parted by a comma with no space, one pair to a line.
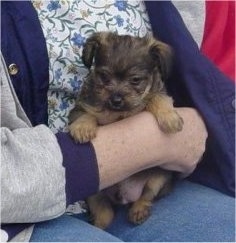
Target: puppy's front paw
[170,121]
[139,211]
[83,130]
[161,106]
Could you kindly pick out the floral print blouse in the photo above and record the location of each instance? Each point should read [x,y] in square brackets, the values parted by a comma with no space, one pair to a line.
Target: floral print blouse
[66,25]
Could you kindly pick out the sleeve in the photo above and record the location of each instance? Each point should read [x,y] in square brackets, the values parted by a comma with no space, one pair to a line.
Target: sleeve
[81,169]
[197,82]
[32,175]
[37,182]
[40,173]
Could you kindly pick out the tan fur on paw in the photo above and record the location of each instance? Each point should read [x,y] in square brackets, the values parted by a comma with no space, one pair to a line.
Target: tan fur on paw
[83,129]
[170,121]
[101,211]
[103,218]
[161,106]
[139,211]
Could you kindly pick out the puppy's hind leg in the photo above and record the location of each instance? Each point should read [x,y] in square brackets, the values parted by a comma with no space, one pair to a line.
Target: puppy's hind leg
[101,211]
[156,184]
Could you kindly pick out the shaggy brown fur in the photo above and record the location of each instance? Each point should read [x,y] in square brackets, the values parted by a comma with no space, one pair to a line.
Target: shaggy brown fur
[126,76]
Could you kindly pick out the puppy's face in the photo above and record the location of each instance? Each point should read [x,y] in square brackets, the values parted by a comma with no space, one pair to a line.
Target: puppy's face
[126,70]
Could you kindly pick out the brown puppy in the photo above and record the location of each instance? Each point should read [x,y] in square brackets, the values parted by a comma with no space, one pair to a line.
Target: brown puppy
[126,78]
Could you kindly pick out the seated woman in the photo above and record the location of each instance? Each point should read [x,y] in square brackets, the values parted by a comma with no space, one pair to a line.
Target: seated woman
[44,172]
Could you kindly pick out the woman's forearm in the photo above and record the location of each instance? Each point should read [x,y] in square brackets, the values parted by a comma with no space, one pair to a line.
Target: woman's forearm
[136,143]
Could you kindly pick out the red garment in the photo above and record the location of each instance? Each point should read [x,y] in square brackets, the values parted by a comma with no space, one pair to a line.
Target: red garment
[219,35]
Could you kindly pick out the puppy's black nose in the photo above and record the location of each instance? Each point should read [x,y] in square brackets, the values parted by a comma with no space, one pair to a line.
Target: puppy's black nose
[116,101]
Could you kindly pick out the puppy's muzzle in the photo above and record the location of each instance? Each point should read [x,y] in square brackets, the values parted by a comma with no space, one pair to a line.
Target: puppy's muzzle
[116,101]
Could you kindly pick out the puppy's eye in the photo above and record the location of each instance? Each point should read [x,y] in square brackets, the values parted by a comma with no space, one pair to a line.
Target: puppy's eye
[105,78]
[136,80]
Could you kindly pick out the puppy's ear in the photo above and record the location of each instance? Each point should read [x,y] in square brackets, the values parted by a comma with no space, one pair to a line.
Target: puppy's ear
[90,49]
[162,54]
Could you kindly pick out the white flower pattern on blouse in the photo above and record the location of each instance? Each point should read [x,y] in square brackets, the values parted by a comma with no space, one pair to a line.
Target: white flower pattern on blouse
[66,26]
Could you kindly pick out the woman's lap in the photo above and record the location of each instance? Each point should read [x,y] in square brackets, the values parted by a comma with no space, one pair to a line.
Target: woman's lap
[190,213]
[69,229]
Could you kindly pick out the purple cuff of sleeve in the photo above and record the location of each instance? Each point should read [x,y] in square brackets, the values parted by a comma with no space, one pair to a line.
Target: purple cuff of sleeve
[80,162]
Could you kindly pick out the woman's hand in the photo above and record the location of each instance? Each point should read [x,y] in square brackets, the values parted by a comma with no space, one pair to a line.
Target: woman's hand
[136,143]
[187,147]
